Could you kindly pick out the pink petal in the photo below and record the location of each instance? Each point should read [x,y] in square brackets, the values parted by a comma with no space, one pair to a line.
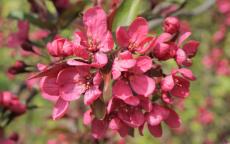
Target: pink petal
[167,83]
[162,51]
[173,119]
[87,118]
[49,88]
[99,128]
[183,37]
[118,125]
[145,103]
[187,73]
[191,47]
[138,30]
[95,20]
[155,130]
[137,117]
[97,79]
[60,108]
[142,84]
[143,64]
[107,43]
[166,98]
[71,91]
[72,62]
[122,37]
[68,75]
[100,60]
[122,90]
[164,37]
[157,115]
[91,95]
[146,45]
[132,117]
[132,100]
[181,88]
[180,56]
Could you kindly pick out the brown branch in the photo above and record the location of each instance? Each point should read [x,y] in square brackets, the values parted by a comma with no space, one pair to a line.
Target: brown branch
[184,13]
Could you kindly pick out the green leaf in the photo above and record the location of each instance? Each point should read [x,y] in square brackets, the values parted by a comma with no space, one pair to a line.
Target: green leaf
[128,11]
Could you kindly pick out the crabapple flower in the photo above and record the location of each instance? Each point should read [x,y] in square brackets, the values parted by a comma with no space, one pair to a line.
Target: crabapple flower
[68,85]
[96,41]
[135,39]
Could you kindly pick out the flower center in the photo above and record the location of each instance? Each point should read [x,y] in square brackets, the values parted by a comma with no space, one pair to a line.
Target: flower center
[93,46]
[132,46]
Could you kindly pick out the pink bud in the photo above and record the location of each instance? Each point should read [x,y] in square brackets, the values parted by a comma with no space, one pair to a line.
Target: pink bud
[171,25]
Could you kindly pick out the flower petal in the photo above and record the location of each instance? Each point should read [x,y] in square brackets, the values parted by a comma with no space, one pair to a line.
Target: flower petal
[100,60]
[87,118]
[180,56]
[107,43]
[167,83]
[49,88]
[122,37]
[122,90]
[60,108]
[183,37]
[190,48]
[187,73]
[181,88]
[173,119]
[95,20]
[91,95]
[143,64]
[71,91]
[99,128]
[155,130]
[142,84]
[138,30]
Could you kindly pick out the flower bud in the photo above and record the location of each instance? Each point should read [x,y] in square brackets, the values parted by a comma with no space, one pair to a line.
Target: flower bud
[60,47]
[171,25]
[18,67]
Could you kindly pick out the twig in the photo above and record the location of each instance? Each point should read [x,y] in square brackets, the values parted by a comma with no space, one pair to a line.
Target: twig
[182,13]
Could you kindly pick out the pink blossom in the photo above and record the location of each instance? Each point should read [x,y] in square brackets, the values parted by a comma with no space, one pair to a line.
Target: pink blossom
[133,75]
[135,39]
[159,114]
[177,85]
[97,40]
[65,89]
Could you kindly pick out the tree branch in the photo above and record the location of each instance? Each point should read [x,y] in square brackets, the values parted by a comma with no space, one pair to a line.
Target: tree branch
[184,13]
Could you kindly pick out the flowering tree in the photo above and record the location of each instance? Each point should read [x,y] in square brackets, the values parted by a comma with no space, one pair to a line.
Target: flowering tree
[110,68]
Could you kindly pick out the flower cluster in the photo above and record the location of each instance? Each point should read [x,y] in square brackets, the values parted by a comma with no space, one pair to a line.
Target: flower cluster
[123,82]
[9,101]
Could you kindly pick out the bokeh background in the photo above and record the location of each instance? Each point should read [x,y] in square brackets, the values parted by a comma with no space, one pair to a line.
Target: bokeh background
[205,113]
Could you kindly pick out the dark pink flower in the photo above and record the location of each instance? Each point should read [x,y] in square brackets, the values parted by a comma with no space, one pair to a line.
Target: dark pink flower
[133,75]
[177,83]
[68,85]
[159,114]
[135,39]
[97,40]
